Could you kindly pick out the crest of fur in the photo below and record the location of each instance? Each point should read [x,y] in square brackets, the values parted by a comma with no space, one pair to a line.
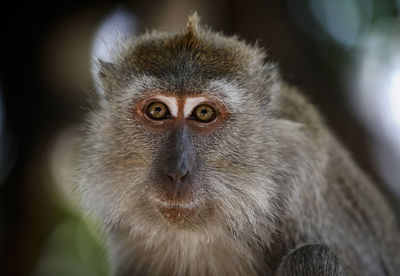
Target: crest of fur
[193,24]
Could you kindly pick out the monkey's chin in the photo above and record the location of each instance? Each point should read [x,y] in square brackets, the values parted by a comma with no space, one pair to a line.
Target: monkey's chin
[177,212]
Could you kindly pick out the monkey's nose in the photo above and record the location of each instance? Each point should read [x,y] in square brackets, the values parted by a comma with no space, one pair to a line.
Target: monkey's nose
[176,179]
[176,174]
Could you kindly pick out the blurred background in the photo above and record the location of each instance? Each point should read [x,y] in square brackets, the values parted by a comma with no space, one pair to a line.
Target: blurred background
[345,54]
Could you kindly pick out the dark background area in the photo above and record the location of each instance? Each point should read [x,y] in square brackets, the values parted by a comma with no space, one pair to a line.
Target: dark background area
[39,102]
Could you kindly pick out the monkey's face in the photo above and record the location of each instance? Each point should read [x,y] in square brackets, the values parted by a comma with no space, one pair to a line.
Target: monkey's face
[184,159]
[184,137]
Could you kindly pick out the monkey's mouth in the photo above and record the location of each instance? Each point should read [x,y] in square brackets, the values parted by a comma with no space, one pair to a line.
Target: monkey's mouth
[177,212]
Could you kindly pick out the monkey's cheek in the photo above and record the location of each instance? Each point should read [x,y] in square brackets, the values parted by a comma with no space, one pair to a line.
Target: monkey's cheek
[177,215]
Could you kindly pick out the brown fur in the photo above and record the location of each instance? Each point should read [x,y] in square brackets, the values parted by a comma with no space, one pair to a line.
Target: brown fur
[272,177]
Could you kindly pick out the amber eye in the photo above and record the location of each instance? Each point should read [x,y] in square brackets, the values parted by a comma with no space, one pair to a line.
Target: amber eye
[204,113]
[157,111]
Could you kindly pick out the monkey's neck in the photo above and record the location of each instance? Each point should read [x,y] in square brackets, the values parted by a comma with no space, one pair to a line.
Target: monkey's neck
[185,253]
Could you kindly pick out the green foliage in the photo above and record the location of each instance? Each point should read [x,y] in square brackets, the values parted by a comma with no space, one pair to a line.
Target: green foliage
[73,248]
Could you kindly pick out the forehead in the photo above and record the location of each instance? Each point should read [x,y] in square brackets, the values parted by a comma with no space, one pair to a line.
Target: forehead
[224,91]
[184,62]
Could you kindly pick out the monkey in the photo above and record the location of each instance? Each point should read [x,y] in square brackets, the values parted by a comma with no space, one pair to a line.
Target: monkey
[198,158]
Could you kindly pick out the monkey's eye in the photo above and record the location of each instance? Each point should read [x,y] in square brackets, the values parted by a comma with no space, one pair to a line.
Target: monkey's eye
[157,111]
[204,113]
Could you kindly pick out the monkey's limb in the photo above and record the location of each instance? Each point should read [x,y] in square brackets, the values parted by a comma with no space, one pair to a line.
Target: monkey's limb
[310,260]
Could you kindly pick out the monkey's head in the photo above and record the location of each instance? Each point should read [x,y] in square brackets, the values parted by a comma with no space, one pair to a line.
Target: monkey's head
[185,136]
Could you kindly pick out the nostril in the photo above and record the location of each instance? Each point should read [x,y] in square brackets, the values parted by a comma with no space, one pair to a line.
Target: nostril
[170,177]
[187,172]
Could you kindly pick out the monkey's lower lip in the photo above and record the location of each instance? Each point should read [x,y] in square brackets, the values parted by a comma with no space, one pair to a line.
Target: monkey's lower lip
[177,212]
[177,204]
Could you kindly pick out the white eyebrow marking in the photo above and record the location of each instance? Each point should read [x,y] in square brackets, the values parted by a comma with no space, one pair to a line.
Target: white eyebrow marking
[232,91]
[171,102]
[191,103]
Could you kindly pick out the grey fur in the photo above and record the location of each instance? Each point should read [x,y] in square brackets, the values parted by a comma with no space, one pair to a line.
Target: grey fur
[272,176]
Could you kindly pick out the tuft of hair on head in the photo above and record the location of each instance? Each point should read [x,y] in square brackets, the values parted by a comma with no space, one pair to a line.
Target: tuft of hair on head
[193,24]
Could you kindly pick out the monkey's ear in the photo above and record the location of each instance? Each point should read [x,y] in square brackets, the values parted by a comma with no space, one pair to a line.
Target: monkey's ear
[103,72]
[108,44]
[105,68]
